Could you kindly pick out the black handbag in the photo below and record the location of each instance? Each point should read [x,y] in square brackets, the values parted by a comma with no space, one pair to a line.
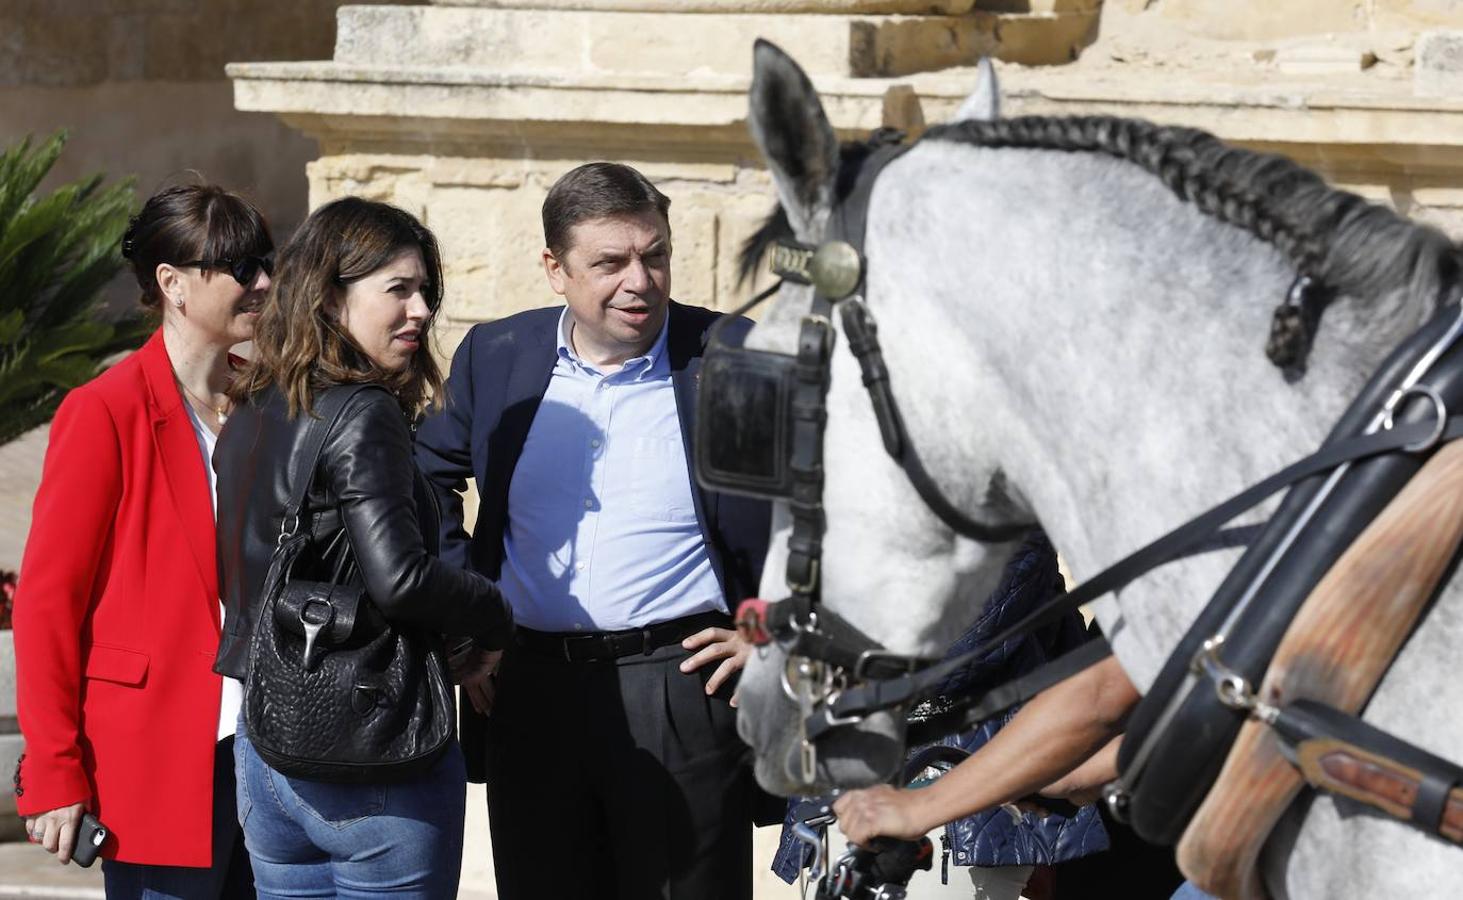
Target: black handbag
[335,692]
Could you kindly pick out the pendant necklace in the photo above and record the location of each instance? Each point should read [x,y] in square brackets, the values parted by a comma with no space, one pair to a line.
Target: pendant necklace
[219,412]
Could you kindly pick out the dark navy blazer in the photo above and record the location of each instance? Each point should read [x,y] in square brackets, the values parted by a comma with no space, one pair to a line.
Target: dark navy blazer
[498,379]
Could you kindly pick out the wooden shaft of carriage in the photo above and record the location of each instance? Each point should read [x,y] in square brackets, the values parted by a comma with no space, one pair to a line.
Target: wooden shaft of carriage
[1335,652]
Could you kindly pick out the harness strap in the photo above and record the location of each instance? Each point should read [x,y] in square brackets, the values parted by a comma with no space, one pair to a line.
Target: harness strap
[871,697]
[863,341]
[834,640]
[809,415]
[1433,797]
[1343,755]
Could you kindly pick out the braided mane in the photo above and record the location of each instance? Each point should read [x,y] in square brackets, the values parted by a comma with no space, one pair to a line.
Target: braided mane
[1344,243]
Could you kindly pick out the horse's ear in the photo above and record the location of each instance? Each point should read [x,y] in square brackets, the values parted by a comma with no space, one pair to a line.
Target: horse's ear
[791,130]
[984,103]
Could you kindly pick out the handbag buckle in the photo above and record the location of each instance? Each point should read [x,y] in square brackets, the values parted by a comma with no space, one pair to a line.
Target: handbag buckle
[313,629]
[287,528]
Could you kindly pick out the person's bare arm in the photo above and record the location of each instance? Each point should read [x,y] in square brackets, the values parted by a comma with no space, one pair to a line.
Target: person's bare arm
[1049,738]
[1083,785]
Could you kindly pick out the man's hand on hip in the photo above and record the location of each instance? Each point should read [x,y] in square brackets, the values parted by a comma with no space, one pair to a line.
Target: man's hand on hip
[714,644]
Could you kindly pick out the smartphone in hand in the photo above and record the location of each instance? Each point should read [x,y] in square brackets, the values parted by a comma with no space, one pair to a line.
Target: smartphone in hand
[89,839]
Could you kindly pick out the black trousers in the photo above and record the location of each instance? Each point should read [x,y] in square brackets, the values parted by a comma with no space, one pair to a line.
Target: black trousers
[617,780]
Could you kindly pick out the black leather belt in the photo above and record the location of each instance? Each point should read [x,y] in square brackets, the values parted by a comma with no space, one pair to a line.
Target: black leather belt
[607,646]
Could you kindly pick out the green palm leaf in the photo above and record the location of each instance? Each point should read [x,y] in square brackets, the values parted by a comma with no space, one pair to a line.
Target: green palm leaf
[57,252]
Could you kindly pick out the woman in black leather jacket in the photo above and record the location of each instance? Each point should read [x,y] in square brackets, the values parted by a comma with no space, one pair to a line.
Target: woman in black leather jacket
[353,298]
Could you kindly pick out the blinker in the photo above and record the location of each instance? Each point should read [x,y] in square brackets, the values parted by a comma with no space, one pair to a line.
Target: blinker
[833,268]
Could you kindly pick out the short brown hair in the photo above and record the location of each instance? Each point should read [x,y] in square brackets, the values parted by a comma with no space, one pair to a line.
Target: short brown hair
[191,222]
[593,191]
[298,344]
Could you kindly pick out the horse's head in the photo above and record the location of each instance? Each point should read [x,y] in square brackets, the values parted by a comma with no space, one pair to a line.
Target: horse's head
[890,566]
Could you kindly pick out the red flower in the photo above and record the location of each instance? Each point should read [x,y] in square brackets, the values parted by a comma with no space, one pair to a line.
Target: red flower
[8,582]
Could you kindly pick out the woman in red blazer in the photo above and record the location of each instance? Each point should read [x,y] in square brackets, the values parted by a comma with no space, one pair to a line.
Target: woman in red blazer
[117,616]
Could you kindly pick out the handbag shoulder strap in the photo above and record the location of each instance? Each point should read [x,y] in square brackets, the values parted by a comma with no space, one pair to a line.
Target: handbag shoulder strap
[330,403]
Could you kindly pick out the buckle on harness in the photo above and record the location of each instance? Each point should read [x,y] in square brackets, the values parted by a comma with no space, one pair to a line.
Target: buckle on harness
[1439,426]
[1232,688]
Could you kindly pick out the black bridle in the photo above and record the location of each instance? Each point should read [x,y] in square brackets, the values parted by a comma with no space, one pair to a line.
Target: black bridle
[830,653]
[837,674]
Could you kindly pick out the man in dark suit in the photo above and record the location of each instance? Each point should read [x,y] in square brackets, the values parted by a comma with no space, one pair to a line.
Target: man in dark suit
[611,754]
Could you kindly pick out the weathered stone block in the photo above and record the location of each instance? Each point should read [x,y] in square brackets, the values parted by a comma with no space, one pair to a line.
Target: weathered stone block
[833,7]
[1256,21]
[491,242]
[1416,14]
[530,40]
[1323,59]
[1438,70]
[497,173]
[580,43]
[1039,6]
[1044,39]
[694,238]
[894,47]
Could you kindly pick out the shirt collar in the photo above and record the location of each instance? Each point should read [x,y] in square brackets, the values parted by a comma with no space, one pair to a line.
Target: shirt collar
[652,363]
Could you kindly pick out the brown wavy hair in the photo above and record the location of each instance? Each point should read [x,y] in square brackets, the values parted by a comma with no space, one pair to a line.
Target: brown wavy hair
[298,344]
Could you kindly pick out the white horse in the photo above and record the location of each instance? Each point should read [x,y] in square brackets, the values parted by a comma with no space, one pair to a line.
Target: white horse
[1062,327]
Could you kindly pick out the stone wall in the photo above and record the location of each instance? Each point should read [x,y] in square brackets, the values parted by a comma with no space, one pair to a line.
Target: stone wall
[465,111]
[140,84]
[1245,20]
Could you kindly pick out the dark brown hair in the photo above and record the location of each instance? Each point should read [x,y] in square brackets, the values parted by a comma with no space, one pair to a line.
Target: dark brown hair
[594,191]
[298,344]
[187,223]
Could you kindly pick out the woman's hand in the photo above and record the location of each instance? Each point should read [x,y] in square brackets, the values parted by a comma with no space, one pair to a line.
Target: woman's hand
[880,811]
[476,672]
[56,830]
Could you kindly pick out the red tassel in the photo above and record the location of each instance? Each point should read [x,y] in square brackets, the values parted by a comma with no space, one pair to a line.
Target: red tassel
[752,622]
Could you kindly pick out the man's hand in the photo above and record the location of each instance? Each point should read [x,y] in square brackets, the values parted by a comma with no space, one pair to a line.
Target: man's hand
[476,672]
[717,643]
[879,811]
[56,830]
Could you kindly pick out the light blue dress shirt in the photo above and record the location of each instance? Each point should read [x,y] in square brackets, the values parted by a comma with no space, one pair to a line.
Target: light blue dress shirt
[602,532]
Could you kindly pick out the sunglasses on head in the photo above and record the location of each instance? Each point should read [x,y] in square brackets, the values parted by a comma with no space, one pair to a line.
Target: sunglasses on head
[244,269]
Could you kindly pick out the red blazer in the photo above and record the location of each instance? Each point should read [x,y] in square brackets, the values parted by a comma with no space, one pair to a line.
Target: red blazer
[117,618]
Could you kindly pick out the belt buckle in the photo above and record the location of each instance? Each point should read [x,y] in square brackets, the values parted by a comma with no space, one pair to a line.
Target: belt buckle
[569,657]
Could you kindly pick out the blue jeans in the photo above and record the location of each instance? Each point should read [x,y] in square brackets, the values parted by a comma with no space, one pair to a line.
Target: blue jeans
[227,879]
[313,839]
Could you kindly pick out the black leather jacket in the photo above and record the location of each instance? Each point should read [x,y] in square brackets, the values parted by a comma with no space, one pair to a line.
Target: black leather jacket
[367,484]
